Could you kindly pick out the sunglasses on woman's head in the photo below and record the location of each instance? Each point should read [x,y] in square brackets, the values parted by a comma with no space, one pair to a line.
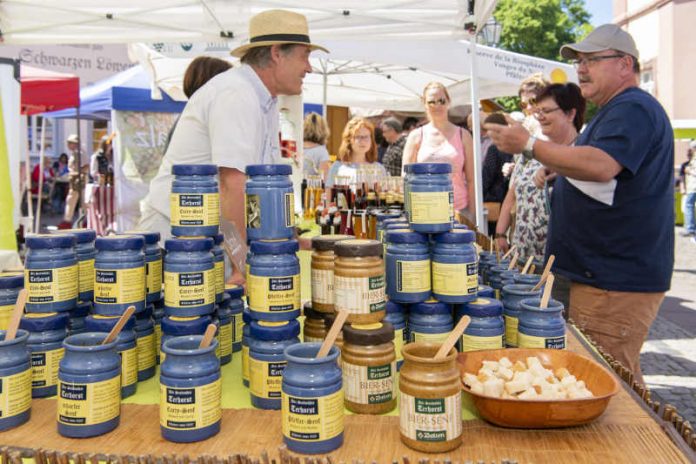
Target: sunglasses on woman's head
[440,101]
[527,104]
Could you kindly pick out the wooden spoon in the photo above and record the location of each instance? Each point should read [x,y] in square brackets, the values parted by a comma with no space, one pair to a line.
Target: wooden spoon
[336,327]
[545,274]
[510,251]
[527,265]
[452,338]
[515,257]
[547,292]
[11,332]
[208,336]
[119,325]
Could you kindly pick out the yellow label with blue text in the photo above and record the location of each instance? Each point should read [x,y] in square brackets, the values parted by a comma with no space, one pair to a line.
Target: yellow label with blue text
[455,279]
[511,324]
[89,403]
[194,209]
[474,343]
[85,271]
[190,408]
[129,366]
[44,367]
[187,289]
[245,362]
[265,378]
[5,315]
[225,339]
[429,337]
[530,341]
[274,294]
[15,394]
[219,267]
[147,352]
[51,285]
[413,276]
[153,279]
[312,419]
[431,207]
[119,286]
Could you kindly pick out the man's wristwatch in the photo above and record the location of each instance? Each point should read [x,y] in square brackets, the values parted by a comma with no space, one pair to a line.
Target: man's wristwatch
[528,151]
[498,235]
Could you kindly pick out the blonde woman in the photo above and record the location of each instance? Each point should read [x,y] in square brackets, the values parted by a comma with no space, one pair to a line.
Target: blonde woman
[316,156]
[440,141]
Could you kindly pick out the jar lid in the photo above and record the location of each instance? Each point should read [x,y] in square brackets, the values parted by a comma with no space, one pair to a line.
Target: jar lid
[82,308]
[485,291]
[146,313]
[328,242]
[274,248]
[456,236]
[274,331]
[458,226]
[174,325]
[43,241]
[395,220]
[368,334]
[393,307]
[151,238]
[405,236]
[383,216]
[359,248]
[11,280]
[431,168]
[194,170]
[268,170]
[246,315]
[120,242]
[222,311]
[483,307]
[400,224]
[81,235]
[218,239]
[37,322]
[311,313]
[408,168]
[234,291]
[431,306]
[99,323]
[189,244]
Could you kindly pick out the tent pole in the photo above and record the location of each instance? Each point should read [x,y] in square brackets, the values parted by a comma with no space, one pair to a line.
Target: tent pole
[476,122]
[37,226]
[80,187]
[325,80]
[27,173]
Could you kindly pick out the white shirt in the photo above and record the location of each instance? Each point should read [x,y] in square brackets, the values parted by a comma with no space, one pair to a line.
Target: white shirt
[231,121]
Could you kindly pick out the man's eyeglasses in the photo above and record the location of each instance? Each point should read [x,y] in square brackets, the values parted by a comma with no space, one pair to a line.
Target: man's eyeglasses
[544,111]
[439,102]
[361,138]
[593,59]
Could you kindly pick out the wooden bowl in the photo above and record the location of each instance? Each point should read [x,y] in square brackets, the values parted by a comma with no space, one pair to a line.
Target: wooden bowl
[536,414]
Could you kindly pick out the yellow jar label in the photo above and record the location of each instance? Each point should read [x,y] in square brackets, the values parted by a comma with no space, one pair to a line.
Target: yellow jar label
[289,210]
[511,324]
[190,408]
[225,339]
[85,271]
[119,286]
[455,279]
[312,419]
[238,324]
[147,352]
[472,343]
[413,276]
[399,341]
[153,271]
[194,209]
[129,366]
[359,295]
[219,268]
[369,384]
[158,338]
[431,419]
[15,394]
[274,294]
[245,362]
[51,285]
[89,403]
[322,286]
[431,207]
[186,289]
[429,337]
[530,341]
[265,378]
[44,367]
[308,339]
[5,315]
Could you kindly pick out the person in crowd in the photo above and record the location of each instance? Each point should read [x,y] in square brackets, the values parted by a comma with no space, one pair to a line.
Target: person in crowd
[495,182]
[357,157]
[612,219]
[232,121]
[485,139]
[77,179]
[48,176]
[393,134]
[316,156]
[61,185]
[689,190]
[381,143]
[440,141]
[409,124]
[101,163]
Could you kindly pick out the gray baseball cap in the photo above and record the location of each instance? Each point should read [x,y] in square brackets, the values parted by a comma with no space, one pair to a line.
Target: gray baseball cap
[605,37]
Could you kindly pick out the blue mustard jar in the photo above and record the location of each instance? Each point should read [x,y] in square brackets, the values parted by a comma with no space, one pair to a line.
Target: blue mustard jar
[15,378]
[486,331]
[273,287]
[178,326]
[119,274]
[270,202]
[431,200]
[194,203]
[382,218]
[526,279]
[189,277]
[218,266]
[455,267]
[145,341]
[126,347]
[76,323]
[408,168]
[86,253]
[10,285]
[430,321]
[225,333]
[246,334]
[484,291]
[506,278]
[50,273]
[153,264]
[46,334]
[407,267]
[190,390]
[512,297]
[541,328]
[495,279]
[312,400]
[486,260]
[89,386]
[397,315]
[157,316]
[267,342]
[236,306]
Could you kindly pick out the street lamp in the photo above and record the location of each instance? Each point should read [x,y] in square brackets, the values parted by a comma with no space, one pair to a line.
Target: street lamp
[490,33]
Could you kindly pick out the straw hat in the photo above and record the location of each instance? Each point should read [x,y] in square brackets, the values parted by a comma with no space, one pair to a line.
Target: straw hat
[273,27]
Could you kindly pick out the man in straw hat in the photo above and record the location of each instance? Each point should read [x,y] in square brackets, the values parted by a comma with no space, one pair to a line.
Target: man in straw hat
[232,120]
[612,215]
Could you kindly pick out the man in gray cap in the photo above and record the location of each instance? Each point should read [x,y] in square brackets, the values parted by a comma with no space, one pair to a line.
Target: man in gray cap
[612,211]
[391,130]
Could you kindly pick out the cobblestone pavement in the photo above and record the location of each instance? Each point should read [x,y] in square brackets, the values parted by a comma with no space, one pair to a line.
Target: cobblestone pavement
[668,357]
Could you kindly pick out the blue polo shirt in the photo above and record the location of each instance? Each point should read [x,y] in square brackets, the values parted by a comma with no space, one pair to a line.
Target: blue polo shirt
[619,235]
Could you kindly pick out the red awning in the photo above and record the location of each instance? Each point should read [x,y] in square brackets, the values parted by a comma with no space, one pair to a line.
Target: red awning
[44,90]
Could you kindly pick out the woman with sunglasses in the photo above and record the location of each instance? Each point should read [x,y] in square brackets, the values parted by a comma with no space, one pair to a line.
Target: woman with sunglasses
[440,141]
[560,110]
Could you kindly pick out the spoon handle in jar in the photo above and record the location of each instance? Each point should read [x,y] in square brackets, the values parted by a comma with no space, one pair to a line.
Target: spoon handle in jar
[547,292]
[16,315]
[545,274]
[527,265]
[208,336]
[119,325]
[453,337]
[336,327]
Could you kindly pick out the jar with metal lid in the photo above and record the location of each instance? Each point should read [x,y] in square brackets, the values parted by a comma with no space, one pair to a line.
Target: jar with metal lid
[46,334]
[145,342]
[15,377]
[323,271]
[89,382]
[50,273]
[267,343]
[312,400]
[86,253]
[76,323]
[397,317]
[219,266]
[225,330]
[126,347]
[368,361]
[359,280]
[269,202]
[513,295]
[430,403]
[407,267]
[157,316]
[189,277]
[314,327]
[190,390]
[273,287]
[194,203]
[246,317]
[119,274]
[10,285]
[236,306]
[455,266]
[541,327]
[486,331]
[153,264]
[430,321]
[431,201]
